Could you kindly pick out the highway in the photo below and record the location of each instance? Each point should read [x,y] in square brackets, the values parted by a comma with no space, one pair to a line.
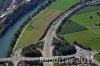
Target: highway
[48,48]
[50,34]
[52,31]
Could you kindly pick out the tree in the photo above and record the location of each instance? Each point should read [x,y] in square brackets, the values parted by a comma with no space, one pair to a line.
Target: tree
[64,48]
[98,13]
[91,17]
[75,42]
[31,51]
[54,0]
[69,20]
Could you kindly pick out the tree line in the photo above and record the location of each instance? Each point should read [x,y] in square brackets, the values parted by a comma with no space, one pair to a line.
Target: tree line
[63,48]
[18,32]
[19,12]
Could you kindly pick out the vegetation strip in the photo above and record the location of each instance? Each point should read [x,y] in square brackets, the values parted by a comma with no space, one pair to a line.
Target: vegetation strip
[21,30]
[88,37]
[42,21]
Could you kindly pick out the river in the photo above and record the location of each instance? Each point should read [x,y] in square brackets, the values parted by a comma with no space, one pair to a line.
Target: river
[5,41]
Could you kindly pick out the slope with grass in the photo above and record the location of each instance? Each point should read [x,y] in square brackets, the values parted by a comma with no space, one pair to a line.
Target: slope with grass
[97,57]
[82,36]
[85,20]
[93,44]
[89,9]
[39,24]
[68,28]
[90,37]
[56,64]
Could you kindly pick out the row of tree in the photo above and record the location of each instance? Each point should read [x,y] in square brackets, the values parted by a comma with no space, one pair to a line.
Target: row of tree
[31,51]
[33,63]
[18,32]
[16,36]
[63,48]
[19,12]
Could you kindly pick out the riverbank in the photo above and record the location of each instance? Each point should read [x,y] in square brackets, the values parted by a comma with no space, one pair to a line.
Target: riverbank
[22,28]
[5,41]
[17,13]
[40,24]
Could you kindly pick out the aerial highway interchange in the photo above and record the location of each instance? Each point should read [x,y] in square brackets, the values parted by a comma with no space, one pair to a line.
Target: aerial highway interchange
[16,58]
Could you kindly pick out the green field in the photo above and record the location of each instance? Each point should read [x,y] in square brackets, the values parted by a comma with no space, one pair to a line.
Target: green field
[86,38]
[89,9]
[82,36]
[93,44]
[89,37]
[84,19]
[97,57]
[39,24]
[68,28]
[56,64]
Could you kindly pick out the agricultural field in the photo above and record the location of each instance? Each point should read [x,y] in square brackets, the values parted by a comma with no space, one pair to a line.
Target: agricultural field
[86,28]
[77,27]
[97,57]
[39,24]
[82,36]
[88,19]
[56,64]
[89,9]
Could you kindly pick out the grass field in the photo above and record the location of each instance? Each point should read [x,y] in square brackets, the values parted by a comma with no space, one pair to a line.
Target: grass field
[56,64]
[89,9]
[84,19]
[68,28]
[82,36]
[93,44]
[39,24]
[88,38]
[97,57]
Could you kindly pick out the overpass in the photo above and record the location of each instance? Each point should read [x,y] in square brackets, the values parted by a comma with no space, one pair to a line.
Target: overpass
[47,50]
[53,28]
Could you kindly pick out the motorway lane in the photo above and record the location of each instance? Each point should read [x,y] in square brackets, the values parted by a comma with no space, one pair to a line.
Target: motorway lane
[50,33]
[47,51]
[54,27]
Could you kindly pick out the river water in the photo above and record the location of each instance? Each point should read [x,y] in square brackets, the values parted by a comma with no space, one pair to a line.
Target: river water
[5,41]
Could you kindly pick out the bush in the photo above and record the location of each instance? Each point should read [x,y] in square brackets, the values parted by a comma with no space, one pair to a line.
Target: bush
[63,48]
[31,51]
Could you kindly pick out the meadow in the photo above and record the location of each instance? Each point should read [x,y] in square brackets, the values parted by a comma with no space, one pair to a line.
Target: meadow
[97,56]
[83,28]
[56,64]
[68,28]
[38,25]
